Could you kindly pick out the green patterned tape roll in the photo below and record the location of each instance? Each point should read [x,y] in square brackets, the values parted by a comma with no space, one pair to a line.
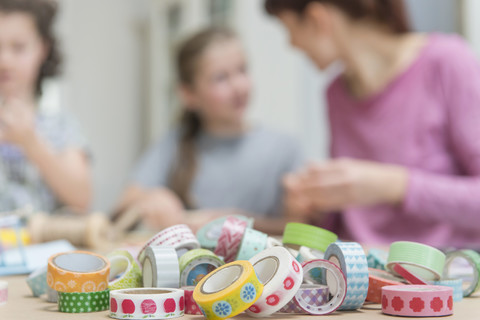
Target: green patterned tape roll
[124,271]
[308,236]
[423,261]
[83,302]
[464,264]
[196,264]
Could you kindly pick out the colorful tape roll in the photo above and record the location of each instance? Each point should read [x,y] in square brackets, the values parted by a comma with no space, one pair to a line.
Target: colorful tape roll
[147,303]
[191,307]
[417,301]
[468,269]
[455,284]
[208,235]
[291,307]
[350,257]
[281,276]
[421,260]
[83,302]
[78,271]
[308,236]
[228,291]
[196,264]
[230,238]
[160,268]
[377,259]
[124,271]
[253,242]
[407,275]
[179,237]
[37,281]
[336,284]
[377,279]
[3,292]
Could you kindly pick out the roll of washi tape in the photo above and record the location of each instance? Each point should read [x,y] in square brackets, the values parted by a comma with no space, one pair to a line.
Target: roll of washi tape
[3,292]
[196,264]
[417,301]
[228,291]
[37,281]
[124,271]
[350,257]
[160,268]
[229,242]
[208,235]
[78,271]
[464,264]
[147,303]
[314,296]
[253,242]
[52,295]
[179,237]
[307,254]
[300,234]
[423,261]
[281,276]
[191,307]
[377,279]
[377,259]
[455,284]
[337,288]
[83,302]
[407,275]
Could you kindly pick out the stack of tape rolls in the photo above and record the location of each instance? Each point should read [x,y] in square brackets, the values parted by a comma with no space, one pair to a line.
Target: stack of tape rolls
[377,279]
[377,259]
[196,264]
[297,235]
[208,235]
[3,292]
[464,264]
[228,291]
[350,257]
[307,299]
[191,307]
[230,238]
[179,237]
[315,297]
[37,282]
[455,284]
[421,260]
[281,276]
[253,242]
[77,272]
[147,303]
[417,301]
[160,268]
[124,271]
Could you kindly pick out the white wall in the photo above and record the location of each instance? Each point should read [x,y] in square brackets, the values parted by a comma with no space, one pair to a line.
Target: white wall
[104,48]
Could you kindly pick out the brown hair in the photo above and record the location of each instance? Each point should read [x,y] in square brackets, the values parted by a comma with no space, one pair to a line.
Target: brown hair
[391,13]
[43,13]
[188,56]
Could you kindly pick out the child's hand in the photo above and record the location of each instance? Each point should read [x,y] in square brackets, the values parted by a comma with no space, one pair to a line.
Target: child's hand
[297,205]
[17,123]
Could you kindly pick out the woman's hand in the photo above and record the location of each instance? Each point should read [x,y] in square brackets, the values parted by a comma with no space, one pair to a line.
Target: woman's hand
[343,183]
[17,123]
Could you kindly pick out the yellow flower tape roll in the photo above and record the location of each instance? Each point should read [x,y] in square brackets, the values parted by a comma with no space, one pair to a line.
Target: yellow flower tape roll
[228,291]
[78,271]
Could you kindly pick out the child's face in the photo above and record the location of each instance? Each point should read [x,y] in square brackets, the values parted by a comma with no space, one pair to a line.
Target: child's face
[22,53]
[222,86]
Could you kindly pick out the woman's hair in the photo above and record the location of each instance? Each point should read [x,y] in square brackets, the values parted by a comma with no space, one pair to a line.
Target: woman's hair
[391,13]
[188,57]
[43,13]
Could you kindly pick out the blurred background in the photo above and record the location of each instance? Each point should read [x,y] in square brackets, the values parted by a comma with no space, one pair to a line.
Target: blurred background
[119,82]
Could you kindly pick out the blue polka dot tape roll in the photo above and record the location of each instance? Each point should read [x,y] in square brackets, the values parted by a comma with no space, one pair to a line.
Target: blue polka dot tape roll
[350,257]
[37,281]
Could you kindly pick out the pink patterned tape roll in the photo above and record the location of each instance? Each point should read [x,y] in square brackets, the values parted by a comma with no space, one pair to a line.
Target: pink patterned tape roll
[417,301]
[191,307]
[315,295]
[230,238]
[3,292]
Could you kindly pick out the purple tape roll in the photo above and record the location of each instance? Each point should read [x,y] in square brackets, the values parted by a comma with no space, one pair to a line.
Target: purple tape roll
[313,295]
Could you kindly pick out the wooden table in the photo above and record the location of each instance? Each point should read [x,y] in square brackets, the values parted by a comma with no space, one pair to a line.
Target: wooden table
[22,306]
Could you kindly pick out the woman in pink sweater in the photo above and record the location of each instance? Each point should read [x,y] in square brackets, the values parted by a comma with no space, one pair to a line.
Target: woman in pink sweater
[404,121]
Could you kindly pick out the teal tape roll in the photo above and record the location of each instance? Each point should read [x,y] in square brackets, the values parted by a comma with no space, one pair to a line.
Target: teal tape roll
[253,242]
[208,235]
[377,259]
[455,284]
[37,281]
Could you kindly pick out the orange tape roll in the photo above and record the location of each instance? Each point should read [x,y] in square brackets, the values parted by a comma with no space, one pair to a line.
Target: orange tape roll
[377,280]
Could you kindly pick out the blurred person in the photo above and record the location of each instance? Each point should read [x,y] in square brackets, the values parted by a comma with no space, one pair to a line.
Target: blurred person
[214,163]
[43,161]
[404,121]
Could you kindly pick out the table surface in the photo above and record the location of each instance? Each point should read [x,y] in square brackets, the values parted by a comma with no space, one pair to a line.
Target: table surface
[22,306]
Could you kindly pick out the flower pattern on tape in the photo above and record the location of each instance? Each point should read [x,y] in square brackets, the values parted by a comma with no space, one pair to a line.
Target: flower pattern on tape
[288,283]
[222,309]
[248,293]
[450,303]
[255,309]
[397,303]
[384,302]
[417,304]
[436,304]
[273,300]
[295,267]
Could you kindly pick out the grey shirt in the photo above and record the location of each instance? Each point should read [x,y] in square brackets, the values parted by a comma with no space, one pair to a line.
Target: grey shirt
[243,172]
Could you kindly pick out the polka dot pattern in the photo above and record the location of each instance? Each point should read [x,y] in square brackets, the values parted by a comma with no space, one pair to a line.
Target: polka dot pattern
[79,302]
